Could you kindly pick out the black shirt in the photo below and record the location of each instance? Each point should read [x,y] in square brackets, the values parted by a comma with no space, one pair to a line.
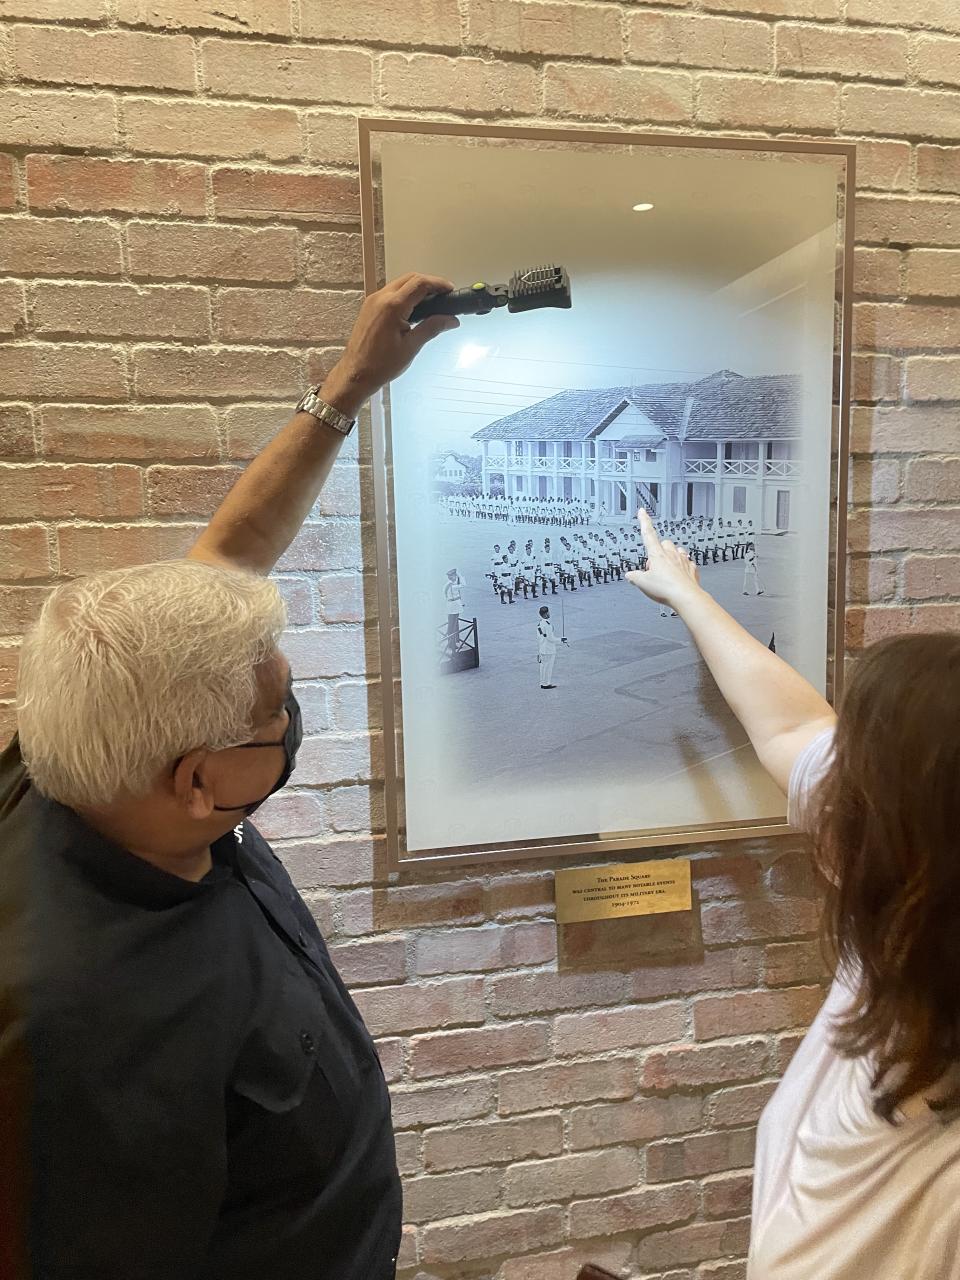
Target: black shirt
[187,1091]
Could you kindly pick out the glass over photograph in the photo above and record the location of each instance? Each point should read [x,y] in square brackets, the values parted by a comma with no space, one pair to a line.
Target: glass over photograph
[693,375]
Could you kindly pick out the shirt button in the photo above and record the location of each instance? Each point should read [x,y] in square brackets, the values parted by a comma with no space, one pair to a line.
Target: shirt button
[306,1042]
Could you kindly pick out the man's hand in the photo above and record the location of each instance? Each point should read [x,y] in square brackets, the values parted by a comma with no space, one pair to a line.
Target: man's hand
[383,342]
[669,577]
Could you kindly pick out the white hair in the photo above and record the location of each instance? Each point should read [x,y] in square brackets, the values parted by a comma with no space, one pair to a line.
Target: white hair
[126,671]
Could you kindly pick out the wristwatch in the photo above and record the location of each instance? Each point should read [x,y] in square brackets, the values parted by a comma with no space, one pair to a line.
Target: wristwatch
[311,403]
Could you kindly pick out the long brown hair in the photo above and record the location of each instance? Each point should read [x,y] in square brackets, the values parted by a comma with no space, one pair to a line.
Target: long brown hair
[887,838]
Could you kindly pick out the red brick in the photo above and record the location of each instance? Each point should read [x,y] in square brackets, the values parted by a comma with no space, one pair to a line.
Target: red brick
[55,247]
[85,547]
[544,29]
[55,10]
[87,184]
[437,1104]
[370,961]
[553,1085]
[926,577]
[450,1195]
[333,759]
[904,528]
[9,668]
[275,195]
[623,1028]
[409,1246]
[189,491]
[746,921]
[739,1106]
[633,1211]
[250,427]
[779,8]
[20,607]
[639,1121]
[689,1066]
[47,118]
[342,598]
[829,51]
[792,962]
[244,17]
[69,370]
[583,1175]
[932,378]
[521,895]
[937,13]
[471,85]
[894,220]
[356,809]
[389,1011]
[614,1256]
[23,552]
[176,373]
[331,138]
[703,1153]
[933,480]
[314,703]
[491,947]
[13,317]
[882,164]
[411,906]
[51,492]
[16,431]
[288,314]
[784,1049]
[906,327]
[175,127]
[909,429]
[875,378]
[333,258]
[394,22]
[185,251]
[290,815]
[128,431]
[298,599]
[619,93]
[493,1142]
[696,40]
[357,705]
[344,863]
[876,273]
[865,626]
[938,60]
[121,310]
[938,169]
[934,273]
[518,994]
[127,58]
[769,104]
[326,652]
[694,1243]
[909,112]
[455,1052]
[723,1271]
[590,944]
[330,545]
[728,1195]
[875,480]
[733,876]
[408,1152]
[287,72]
[715,971]
[873,578]
[494,1233]
[8,182]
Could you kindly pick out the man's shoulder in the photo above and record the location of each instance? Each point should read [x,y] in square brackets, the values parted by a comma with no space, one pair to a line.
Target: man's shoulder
[14,779]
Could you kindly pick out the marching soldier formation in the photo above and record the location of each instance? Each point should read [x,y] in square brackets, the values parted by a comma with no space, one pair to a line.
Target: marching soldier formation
[565,512]
[598,556]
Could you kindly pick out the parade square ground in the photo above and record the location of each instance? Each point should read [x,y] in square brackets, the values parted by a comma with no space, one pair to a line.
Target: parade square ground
[633,697]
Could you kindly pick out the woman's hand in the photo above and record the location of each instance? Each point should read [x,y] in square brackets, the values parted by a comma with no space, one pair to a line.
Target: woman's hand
[669,577]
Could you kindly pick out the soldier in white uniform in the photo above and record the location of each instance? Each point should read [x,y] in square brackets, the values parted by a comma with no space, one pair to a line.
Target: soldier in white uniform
[548,642]
[453,594]
[529,570]
[551,569]
[751,574]
[570,563]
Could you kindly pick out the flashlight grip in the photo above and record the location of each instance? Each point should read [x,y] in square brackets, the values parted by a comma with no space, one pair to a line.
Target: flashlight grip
[460,302]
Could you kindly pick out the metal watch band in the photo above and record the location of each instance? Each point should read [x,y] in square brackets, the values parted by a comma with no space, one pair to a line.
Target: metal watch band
[311,403]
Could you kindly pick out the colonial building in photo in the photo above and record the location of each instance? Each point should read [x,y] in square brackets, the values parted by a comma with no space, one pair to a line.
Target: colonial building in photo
[725,446]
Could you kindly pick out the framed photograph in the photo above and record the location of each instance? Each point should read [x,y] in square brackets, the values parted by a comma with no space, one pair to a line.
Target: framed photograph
[667,326]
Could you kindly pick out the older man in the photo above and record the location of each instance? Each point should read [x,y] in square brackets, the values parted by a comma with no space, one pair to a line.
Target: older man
[186,1088]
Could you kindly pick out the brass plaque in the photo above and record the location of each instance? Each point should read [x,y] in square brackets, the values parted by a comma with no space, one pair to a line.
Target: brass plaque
[628,889]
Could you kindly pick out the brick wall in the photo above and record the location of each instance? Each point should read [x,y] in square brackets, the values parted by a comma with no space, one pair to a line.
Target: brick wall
[178,254]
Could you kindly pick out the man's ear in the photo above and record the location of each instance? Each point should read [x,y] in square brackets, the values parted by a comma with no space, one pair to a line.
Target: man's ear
[192,784]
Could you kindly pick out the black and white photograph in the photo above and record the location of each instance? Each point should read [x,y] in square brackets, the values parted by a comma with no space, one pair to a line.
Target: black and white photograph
[691,376]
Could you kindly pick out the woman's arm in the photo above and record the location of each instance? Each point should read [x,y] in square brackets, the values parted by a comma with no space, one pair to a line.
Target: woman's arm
[780,710]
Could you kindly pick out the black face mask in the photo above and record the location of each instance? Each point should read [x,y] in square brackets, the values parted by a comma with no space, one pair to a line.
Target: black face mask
[291,745]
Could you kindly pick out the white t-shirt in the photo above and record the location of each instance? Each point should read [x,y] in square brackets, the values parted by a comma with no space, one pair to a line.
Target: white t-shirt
[839,1193]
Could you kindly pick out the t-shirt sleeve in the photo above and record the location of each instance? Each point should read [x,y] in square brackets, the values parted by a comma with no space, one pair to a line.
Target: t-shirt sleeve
[809,769]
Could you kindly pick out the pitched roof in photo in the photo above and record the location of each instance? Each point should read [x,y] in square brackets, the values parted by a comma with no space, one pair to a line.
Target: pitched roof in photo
[723,406]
